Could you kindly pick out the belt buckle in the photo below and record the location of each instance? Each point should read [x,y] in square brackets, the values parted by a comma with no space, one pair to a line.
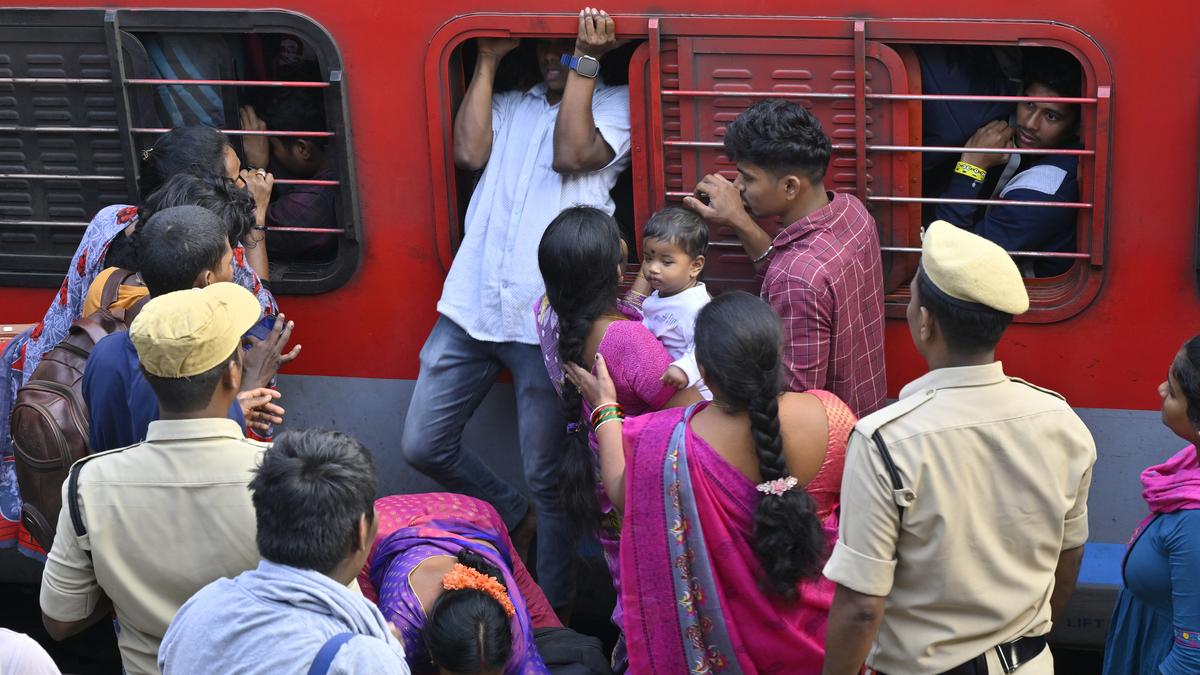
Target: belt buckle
[1010,658]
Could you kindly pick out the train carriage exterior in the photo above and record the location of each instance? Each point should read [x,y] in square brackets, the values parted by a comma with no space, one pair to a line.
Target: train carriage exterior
[74,89]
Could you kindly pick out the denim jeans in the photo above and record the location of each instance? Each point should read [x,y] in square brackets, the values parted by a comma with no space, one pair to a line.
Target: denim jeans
[456,373]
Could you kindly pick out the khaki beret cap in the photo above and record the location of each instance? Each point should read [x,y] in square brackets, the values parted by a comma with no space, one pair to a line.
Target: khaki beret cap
[969,268]
[188,332]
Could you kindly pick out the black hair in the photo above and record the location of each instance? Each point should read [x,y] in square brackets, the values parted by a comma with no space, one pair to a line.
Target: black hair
[297,110]
[1054,69]
[738,345]
[467,631]
[310,493]
[193,149]
[967,329]
[679,226]
[191,393]
[781,137]
[176,244]
[1187,373]
[578,256]
[232,204]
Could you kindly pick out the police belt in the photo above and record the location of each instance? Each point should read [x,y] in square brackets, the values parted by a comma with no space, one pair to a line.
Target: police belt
[1012,655]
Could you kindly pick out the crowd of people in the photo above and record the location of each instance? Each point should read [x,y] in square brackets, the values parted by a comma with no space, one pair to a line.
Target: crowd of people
[759,505]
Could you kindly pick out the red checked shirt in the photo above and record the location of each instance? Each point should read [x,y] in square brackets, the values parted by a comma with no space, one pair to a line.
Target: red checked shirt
[825,280]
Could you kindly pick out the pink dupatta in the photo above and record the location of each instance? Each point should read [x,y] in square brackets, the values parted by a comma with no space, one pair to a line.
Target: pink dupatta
[685,509]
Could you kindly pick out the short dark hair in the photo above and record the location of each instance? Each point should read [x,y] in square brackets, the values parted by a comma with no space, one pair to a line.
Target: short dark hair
[191,393]
[177,244]
[968,330]
[232,204]
[297,110]
[310,492]
[682,227]
[1052,68]
[1187,372]
[194,149]
[467,630]
[781,137]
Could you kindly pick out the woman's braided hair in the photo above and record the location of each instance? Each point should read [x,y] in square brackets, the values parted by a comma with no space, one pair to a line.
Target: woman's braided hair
[737,345]
[578,257]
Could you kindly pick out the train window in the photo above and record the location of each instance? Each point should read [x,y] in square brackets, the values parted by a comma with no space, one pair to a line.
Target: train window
[83,92]
[871,85]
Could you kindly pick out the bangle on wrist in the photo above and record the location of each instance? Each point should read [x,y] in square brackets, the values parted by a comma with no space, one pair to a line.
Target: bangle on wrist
[763,255]
[596,429]
[975,173]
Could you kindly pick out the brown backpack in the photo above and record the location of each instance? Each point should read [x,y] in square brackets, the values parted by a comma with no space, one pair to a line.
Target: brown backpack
[50,417]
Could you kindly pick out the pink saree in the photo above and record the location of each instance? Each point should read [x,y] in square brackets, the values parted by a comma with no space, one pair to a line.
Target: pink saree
[686,508]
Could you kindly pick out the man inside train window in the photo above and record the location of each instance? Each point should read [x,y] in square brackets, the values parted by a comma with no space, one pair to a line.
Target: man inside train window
[1025,177]
[561,143]
[297,157]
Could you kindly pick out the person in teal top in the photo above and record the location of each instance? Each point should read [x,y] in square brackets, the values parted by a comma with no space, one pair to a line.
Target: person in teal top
[1156,624]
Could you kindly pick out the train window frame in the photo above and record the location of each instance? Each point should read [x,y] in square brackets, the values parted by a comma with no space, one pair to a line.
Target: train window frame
[122,25]
[1052,299]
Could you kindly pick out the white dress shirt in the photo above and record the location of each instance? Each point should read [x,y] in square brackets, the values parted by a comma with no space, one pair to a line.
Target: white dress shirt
[494,279]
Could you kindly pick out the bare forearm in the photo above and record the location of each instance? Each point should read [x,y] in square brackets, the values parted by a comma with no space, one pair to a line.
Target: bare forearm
[612,463]
[854,619]
[255,244]
[755,240]
[578,145]
[473,123]
[1065,577]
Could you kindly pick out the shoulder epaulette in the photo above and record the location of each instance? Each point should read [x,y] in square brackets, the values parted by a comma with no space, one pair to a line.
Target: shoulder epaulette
[1034,386]
[868,425]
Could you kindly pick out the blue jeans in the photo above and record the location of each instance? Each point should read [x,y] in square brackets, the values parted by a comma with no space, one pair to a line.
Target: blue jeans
[456,373]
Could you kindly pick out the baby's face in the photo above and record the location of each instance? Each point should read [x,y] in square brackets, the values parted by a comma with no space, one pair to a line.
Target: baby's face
[669,268]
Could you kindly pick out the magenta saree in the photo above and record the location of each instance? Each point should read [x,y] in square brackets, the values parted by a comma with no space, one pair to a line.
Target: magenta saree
[685,509]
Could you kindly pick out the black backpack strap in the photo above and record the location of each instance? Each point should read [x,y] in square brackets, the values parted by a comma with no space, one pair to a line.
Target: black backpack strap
[73,500]
[900,494]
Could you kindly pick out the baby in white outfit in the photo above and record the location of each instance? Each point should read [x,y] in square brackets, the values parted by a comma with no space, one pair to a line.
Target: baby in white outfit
[673,246]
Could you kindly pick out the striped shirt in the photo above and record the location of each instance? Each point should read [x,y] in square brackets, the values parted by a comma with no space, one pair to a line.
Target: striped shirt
[825,281]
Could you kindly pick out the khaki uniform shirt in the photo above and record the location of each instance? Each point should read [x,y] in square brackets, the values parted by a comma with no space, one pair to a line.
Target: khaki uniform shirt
[995,475]
[164,518]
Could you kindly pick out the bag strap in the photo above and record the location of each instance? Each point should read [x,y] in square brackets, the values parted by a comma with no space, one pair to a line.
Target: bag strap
[112,286]
[329,650]
[890,466]
[73,500]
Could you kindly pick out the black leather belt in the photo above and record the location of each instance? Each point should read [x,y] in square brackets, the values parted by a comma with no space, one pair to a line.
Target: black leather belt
[1012,655]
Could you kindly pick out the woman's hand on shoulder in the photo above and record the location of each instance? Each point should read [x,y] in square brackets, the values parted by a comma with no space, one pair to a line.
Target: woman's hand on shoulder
[597,388]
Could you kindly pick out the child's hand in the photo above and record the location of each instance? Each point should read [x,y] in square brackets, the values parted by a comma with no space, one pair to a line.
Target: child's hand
[675,377]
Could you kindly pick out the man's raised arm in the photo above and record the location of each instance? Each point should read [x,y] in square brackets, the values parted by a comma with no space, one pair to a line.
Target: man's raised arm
[473,124]
[578,145]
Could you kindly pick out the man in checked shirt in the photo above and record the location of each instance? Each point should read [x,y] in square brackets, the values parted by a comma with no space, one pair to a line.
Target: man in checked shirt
[823,272]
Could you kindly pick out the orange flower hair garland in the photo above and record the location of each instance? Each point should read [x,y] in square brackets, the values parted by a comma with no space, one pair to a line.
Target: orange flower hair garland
[461,577]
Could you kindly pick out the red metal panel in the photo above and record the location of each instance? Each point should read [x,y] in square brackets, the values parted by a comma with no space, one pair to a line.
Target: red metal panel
[739,70]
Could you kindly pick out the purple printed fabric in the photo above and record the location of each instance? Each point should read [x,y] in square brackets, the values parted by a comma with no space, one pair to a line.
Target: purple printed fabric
[401,552]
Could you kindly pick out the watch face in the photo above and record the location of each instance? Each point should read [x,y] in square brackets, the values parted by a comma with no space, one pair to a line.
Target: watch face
[588,66]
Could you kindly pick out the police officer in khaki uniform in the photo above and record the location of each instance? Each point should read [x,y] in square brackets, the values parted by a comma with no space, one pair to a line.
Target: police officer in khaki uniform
[964,504]
[146,526]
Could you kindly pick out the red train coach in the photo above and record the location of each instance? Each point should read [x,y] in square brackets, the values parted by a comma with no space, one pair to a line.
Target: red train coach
[77,101]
